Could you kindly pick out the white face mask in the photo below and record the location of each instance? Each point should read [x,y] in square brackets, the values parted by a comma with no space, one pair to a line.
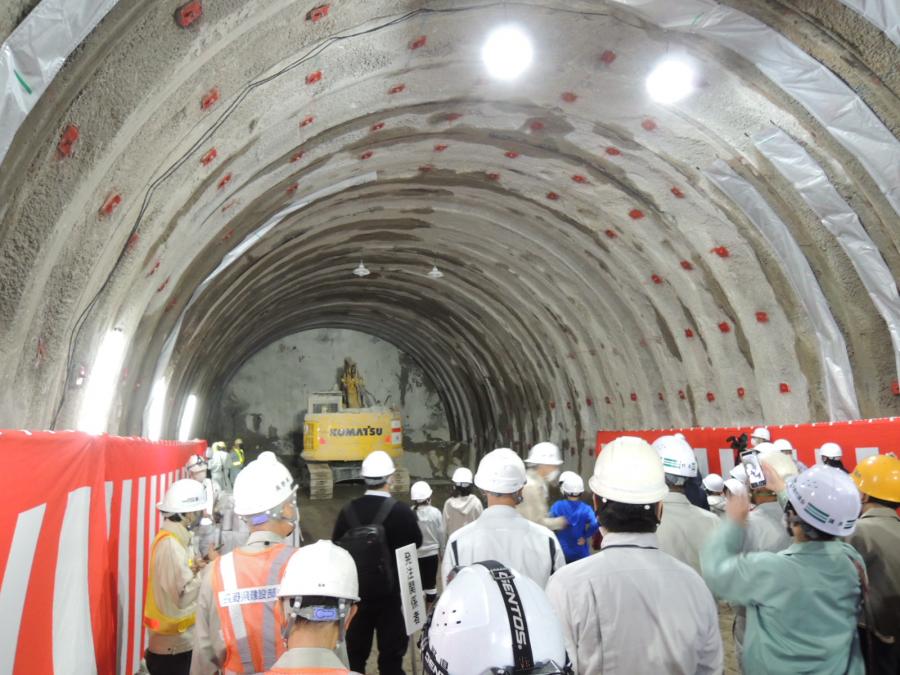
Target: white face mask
[553,475]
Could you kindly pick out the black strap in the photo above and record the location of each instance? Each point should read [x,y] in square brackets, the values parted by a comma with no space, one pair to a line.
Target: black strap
[384,511]
[455,546]
[646,548]
[523,659]
[552,541]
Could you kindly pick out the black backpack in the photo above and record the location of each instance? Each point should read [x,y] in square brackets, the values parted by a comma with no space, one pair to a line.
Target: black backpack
[369,547]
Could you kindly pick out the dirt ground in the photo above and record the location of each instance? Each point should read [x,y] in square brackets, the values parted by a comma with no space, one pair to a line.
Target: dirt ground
[317,519]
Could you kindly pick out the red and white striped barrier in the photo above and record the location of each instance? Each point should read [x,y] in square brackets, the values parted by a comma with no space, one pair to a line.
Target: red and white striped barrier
[859,439]
[79,516]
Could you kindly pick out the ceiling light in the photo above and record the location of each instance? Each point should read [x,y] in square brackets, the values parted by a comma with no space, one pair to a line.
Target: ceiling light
[157,413]
[101,384]
[187,418]
[361,270]
[507,52]
[671,81]
[435,273]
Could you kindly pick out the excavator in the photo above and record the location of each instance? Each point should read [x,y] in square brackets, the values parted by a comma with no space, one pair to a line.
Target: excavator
[341,428]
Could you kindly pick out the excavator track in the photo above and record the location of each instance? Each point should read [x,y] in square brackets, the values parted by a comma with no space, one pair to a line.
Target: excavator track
[321,481]
[400,483]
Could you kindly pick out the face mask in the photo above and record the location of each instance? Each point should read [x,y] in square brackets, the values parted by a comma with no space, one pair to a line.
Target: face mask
[553,475]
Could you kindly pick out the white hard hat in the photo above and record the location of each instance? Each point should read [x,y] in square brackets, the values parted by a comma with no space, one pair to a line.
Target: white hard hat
[677,457]
[264,484]
[420,491]
[761,433]
[681,436]
[573,484]
[544,453]
[462,476]
[713,482]
[784,465]
[195,463]
[628,470]
[378,464]
[501,471]
[738,473]
[323,569]
[184,496]
[831,450]
[735,487]
[564,475]
[470,632]
[765,448]
[827,499]
[784,446]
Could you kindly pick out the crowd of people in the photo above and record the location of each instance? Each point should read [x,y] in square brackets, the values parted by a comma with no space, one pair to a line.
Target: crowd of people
[807,557]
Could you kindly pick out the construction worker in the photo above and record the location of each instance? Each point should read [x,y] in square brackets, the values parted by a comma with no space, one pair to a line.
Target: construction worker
[785,447]
[877,538]
[684,527]
[765,526]
[760,435]
[462,507]
[431,523]
[217,458]
[581,522]
[172,583]
[482,640]
[632,609]
[802,602]
[832,455]
[714,486]
[543,462]
[235,459]
[319,592]
[392,525]
[206,536]
[238,624]
[502,533]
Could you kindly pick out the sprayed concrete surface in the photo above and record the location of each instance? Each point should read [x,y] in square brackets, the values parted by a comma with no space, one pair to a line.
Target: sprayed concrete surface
[589,265]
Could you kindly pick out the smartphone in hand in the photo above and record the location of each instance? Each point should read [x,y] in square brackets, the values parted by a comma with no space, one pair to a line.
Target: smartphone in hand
[750,460]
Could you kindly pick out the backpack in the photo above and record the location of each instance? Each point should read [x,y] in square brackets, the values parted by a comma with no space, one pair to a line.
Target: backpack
[368,545]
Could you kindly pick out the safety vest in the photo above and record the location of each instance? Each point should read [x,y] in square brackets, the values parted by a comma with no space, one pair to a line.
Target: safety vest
[245,588]
[240,456]
[154,619]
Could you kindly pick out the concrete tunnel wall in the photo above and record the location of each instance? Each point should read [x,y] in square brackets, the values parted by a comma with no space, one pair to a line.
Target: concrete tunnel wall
[596,275]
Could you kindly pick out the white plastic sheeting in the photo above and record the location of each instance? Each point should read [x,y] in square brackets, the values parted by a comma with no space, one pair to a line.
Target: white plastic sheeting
[885,14]
[840,395]
[811,181]
[165,356]
[821,92]
[35,51]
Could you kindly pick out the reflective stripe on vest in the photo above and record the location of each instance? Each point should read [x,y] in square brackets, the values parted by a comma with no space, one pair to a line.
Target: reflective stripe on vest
[245,590]
[154,618]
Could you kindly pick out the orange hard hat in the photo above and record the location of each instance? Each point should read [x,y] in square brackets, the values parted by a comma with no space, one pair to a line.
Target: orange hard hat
[879,477]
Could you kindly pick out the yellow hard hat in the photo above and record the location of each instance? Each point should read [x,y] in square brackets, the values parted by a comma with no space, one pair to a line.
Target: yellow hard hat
[879,477]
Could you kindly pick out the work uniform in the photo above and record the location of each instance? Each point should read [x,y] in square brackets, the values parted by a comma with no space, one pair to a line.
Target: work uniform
[460,511]
[801,603]
[535,502]
[877,538]
[684,528]
[633,610]
[309,661]
[581,524]
[218,470]
[233,530]
[239,620]
[717,504]
[431,523]
[501,533]
[383,613]
[208,533]
[171,601]
[235,463]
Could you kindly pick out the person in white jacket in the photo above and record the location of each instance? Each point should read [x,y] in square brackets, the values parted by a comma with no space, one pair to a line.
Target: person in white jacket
[431,523]
[462,507]
[501,533]
[544,460]
[631,609]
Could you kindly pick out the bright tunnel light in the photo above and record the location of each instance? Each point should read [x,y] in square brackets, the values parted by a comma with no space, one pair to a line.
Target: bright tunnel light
[101,385]
[671,81]
[185,427]
[156,414]
[507,52]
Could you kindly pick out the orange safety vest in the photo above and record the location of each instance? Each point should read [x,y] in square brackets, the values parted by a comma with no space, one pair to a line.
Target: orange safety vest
[245,587]
[154,619]
[308,671]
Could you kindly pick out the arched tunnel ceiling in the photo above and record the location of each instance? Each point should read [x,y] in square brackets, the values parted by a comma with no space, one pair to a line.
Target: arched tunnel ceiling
[608,261]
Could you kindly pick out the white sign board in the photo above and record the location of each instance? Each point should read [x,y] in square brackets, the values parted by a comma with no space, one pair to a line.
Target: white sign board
[411,594]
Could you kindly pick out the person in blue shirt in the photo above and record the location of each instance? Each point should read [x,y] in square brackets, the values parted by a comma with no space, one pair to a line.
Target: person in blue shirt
[582,522]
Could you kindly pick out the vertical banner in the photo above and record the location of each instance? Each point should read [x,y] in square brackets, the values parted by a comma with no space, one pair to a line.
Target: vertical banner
[411,594]
[78,514]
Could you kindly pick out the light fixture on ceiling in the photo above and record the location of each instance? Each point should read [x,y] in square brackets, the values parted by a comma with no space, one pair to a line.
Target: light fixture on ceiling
[507,52]
[361,270]
[672,80]
[187,418]
[435,273]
